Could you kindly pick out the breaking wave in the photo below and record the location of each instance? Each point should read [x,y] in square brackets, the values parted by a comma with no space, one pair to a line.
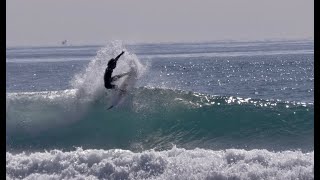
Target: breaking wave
[156,118]
[176,163]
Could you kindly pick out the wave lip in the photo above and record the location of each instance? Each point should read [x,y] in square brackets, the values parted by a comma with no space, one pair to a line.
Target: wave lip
[176,163]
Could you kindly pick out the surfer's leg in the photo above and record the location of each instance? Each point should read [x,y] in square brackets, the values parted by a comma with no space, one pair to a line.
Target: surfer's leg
[116,77]
[109,86]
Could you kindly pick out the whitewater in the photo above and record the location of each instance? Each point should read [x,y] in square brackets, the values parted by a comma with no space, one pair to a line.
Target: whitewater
[215,110]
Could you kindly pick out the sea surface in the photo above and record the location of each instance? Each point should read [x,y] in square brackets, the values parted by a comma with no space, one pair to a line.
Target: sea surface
[211,110]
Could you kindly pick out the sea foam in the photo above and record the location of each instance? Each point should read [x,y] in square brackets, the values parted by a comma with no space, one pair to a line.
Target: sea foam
[176,163]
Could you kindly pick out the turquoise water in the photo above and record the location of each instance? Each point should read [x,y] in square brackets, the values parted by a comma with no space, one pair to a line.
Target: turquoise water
[241,110]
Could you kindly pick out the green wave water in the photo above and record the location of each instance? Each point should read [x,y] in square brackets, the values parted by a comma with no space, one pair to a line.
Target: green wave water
[152,118]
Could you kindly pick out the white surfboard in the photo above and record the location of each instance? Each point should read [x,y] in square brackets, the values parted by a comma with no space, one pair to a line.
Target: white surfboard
[126,85]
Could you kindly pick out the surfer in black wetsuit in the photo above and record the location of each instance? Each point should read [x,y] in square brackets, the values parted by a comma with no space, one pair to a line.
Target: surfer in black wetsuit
[107,75]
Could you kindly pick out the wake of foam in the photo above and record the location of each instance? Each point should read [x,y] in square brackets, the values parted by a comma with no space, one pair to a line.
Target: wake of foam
[176,163]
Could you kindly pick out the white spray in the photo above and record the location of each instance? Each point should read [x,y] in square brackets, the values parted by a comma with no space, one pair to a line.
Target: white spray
[89,83]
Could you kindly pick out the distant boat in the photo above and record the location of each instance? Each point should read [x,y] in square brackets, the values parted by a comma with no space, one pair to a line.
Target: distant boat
[64,42]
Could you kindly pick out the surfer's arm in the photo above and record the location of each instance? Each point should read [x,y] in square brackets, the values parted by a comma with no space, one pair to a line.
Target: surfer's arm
[119,55]
[113,62]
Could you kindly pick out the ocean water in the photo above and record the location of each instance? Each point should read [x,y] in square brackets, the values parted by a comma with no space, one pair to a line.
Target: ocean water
[214,110]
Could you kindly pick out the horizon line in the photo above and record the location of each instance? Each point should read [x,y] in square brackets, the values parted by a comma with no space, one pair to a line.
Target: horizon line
[131,42]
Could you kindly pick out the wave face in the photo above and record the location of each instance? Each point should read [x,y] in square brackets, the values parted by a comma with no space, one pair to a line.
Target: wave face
[156,118]
[176,163]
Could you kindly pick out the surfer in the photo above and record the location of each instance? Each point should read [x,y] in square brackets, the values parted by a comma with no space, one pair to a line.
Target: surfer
[108,73]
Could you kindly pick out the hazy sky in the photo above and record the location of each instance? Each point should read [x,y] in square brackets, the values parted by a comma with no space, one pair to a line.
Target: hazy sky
[48,22]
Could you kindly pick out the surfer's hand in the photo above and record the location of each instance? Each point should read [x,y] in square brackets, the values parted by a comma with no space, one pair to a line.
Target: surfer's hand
[119,55]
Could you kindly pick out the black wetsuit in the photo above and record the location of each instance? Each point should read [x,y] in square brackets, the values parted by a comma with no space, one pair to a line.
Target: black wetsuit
[108,73]
[108,79]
